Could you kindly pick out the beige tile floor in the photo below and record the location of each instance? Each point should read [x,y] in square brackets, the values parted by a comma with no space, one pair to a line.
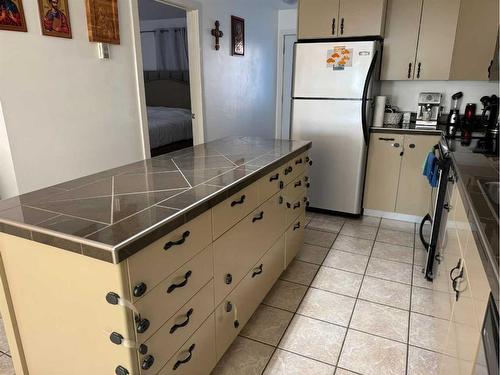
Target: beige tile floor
[346,305]
[6,367]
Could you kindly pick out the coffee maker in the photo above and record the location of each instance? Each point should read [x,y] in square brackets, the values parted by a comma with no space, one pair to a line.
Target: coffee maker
[429,105]
[454,115]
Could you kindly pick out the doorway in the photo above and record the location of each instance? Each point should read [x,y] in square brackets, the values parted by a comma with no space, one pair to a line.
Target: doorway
[286,103]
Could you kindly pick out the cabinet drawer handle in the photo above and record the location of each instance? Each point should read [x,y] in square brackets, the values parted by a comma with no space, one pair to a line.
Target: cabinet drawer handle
[274,177]
[288,170]
[447,207]
[396,145]
[412,145]
[189,353]
[342,26]
[298,183]
[142,325]
[419,67]
[170,244]
[257,271]
[282,184]
[175,327]
[296,226]
[140,289]
[489,69]
[173,287]
[147,362]
[386,139]
[298,161]
[240,201]
[296,205]
[456,268]
[455,284]
[309,161]
[260,216]
[228,279]
[333,27]
[409,70]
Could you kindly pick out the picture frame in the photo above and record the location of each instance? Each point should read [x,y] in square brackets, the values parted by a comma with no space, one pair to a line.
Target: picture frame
[54,18]
[12,16]
[102,21]
[237,36]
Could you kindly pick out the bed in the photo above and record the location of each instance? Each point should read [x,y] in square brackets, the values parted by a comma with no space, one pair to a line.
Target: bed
[169,113]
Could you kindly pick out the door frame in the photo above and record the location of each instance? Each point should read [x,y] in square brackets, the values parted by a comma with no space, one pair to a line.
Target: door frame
[193,9]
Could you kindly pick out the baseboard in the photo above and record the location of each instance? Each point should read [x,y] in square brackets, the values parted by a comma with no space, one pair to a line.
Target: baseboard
[393,216]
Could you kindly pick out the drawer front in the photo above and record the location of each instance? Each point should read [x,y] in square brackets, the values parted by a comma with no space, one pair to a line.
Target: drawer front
[153,263]
[228,213]
[270,185]
[172,293]
[295,207]
[239,248]
[197,355]
[163,344]
[293,168]
[296,188]
[235,310]
[294,239]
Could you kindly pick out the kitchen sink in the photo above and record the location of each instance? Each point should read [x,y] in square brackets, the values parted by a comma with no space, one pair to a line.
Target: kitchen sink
[490,190]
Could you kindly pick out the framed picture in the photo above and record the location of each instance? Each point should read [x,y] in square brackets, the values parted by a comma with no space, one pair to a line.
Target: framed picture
[102,21]
[12,15]
[237,36]
[54,18]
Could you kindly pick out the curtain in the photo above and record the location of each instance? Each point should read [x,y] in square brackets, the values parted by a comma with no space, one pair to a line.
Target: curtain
[172,51]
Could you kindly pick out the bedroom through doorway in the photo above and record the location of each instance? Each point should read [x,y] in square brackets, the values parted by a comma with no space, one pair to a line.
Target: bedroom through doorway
[165,58]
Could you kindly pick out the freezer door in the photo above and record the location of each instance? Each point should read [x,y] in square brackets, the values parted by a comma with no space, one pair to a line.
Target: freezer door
[338,151]
[332,70]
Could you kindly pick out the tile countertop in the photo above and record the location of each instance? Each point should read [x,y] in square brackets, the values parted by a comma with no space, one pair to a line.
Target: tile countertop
[113,214]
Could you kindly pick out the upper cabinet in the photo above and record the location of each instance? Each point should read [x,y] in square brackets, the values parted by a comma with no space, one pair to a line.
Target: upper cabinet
[340,18]
[439,39]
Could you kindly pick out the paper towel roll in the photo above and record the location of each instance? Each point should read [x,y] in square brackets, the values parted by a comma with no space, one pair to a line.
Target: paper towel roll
[378,116]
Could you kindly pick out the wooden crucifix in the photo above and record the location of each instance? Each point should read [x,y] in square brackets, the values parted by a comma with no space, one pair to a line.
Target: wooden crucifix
[217,34]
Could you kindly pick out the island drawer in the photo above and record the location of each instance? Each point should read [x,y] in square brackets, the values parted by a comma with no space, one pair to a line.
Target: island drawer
[157,261]
[197,355]
[294,239]
[173,292]
[295,207]
[233,209]
[238,249]
[270,185]
[235,310]
[293,168]
[164,343]
[296,188]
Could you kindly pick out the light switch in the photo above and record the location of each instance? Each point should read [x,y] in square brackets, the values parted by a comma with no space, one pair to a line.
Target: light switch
[103,50]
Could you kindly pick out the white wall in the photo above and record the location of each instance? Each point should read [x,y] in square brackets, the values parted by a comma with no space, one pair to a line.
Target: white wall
[404,94]
[8,182]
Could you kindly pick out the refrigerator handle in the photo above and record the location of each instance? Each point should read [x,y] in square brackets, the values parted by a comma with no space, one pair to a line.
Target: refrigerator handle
[364,101]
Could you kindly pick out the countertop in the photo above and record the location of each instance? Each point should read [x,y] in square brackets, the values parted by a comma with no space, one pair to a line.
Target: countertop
[113,214]
[410,130]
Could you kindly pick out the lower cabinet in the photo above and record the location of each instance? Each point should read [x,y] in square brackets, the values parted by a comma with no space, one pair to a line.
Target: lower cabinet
[294,239]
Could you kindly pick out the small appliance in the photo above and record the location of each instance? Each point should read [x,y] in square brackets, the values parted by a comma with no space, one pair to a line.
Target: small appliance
[429,104]
[489,115]
[454,115]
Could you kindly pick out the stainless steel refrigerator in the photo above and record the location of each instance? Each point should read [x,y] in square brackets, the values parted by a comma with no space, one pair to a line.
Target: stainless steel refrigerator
[333,88]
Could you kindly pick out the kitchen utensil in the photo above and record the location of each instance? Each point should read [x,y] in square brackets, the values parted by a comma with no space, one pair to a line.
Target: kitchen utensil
[489,115]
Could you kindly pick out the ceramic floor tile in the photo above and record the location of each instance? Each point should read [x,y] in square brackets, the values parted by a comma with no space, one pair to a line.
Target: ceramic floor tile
[395,237]
[341,371]
[353,245]
[286,363]
[431,302]
[371,221]
[386,292]
[312,254]
[337,281]
[326,223]
[419,257]
[244,357]
[4,345]
[285,295]
[300,272]
[428,332]
[346,261]
[319,238]
[314,339]
[359,231]
[442,284]
[425,362]
[371,355]
[380,320]
[396,253]
[327,306]
[388,270]
[402,226]
[6,365]
[267,325]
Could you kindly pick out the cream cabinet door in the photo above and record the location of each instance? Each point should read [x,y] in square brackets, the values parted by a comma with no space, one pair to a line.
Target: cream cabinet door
[362,17]
[400,41]
[382,173]
[318,18]
[436,39]
[414,192]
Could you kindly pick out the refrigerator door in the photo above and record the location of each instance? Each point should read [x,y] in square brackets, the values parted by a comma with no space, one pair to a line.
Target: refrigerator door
[338,152]
[332,69]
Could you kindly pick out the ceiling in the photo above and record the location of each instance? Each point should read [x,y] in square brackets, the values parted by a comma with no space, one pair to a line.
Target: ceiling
[153,10]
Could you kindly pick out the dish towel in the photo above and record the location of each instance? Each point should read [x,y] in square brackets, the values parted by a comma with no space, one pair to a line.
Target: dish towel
[431,169]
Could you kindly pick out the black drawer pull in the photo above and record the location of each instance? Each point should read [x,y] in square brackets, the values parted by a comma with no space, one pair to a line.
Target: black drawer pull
[257,271]
[308,185]
[412,145]
[386,139]
[120,370]
[419,67]
[143,349]
[228,279]
[296,205]
[455,284]
[173,287]
[309,161]
[298,161]
[298,183]
[258,217]
[240,201]
[288,170]
[140,289]
[333,28]
[456,268]
[296,226]
[342,26]
[282,184]
[409,70]
[185,360]
[274,177]
[147,362]
[184,323]
[169,244]
[142,325]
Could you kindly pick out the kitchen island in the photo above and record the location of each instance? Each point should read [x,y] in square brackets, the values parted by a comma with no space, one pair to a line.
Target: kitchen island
[153,267]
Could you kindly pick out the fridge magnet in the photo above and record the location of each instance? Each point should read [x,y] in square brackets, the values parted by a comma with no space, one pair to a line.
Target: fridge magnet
[102,21]
[12,15]
[237,36]
[54,18]
[339,58]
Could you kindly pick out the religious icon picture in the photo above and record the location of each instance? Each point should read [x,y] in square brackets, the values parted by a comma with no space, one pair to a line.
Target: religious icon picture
[237,36]
[102,21]
[54,18]
[12,15]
